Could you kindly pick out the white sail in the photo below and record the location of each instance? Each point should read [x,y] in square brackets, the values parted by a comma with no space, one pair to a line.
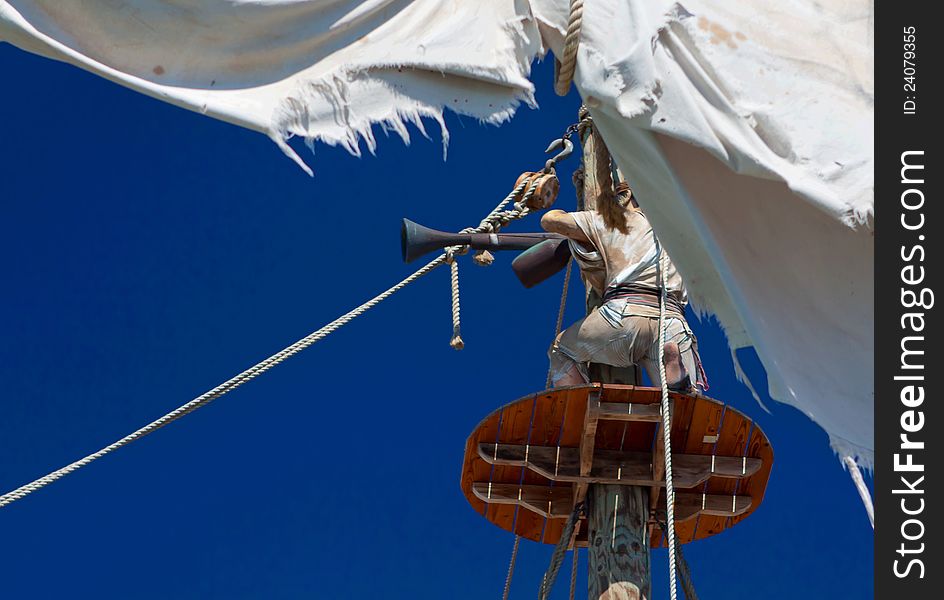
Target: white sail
[744,128]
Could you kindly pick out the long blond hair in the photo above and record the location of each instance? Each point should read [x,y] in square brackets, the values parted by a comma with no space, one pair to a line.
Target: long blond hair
[612,206]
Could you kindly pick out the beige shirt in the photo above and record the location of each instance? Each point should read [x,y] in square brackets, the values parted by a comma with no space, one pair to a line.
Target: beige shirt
[617,258]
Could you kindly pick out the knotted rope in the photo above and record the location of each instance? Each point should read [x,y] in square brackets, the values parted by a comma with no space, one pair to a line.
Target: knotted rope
[568,60]
[492,223]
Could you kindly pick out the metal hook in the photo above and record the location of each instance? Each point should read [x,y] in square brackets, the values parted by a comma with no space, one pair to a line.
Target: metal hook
[568,149]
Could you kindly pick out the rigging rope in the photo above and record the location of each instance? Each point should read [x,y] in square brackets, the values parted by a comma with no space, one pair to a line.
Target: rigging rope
[685,573]
[688,586]
[573,572]
[667,435]
[547,385]
[560,316]
[511,567]
[492,223]
[557,558]
[568,62]
[497,218]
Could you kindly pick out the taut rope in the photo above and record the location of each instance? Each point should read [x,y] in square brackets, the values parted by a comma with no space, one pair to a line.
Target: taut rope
[494,221]
[557,330]
[557,558]
[667,435]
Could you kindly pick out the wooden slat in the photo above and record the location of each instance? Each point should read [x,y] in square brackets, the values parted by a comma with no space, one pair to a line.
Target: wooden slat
[576,406]
[630,411]
[540,499]
[475,468]
[514,430]
[732,440]
[588,442]
[705,421]
[548,415]
[558,501]
[689,505]
[756,486]
[616,467]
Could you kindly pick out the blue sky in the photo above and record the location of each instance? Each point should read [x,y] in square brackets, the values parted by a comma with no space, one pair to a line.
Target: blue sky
[151,253]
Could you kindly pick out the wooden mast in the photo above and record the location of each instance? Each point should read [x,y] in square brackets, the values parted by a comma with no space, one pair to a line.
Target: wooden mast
[617,515]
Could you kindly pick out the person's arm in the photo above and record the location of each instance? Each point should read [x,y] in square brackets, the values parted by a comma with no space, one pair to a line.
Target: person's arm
[558,221]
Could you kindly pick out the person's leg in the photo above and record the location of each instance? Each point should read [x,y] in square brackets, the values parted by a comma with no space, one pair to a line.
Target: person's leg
[688,350]
[677,354]
[675,371]
[591,339]
[567,357]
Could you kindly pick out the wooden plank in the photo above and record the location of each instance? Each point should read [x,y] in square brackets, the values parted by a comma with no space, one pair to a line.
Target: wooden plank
[575,409]
[557,501]
[476,469]
[548,415]
[689,505]
[658,465]
[632,435]
[587,442]
[543,500]
[619,542]
[705,422]
[756,486]
[614,466]
[630,411]
[732,440]
[516,420]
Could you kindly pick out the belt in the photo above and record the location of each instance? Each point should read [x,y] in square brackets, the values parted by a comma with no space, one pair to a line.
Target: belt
[644,296]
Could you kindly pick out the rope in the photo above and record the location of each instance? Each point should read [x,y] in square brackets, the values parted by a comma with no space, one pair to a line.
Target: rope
[557,329]
[667,435]
[856,475]
[560,317]
[573,573]
[557,558]
[568,62]
[492,222]
[456,341]
[223,388]
[511,567]
[688,586]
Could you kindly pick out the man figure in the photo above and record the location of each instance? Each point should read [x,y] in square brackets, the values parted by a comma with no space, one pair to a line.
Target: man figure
[618,254]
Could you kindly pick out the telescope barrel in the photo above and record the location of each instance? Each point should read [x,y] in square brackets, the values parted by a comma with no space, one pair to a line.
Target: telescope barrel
[416,240]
